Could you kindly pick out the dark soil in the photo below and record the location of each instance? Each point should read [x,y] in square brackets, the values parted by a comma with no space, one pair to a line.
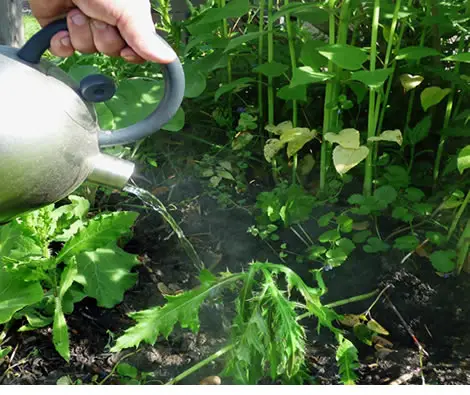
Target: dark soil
[436,309]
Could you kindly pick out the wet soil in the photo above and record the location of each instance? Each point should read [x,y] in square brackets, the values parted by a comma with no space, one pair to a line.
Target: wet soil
[436,309]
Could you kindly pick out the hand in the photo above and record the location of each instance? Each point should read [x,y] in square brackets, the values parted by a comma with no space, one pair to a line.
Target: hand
[114,27]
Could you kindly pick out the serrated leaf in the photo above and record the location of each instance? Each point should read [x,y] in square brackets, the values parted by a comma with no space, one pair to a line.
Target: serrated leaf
[105,274]
[345,56]
[233,86]
[348,361]
[101,230]
[347,138]
[160,320]
[345,159]
[273,69]
[376,327]
[432,96]
[416,53]
[393,136]
[460,57]
[305,75]
[271,148]
[373,79]
[463,159]
[410,82]
[16,294]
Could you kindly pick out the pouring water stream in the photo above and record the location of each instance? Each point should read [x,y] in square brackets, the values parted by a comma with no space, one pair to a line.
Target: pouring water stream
[156,204]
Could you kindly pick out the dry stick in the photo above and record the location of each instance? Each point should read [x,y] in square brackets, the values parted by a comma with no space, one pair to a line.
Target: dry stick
[406,377]
[407,327]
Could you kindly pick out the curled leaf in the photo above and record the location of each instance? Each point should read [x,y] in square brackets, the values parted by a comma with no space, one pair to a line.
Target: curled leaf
[271,148]
[296,139]
[280,128]
[347,138]
[394,136]
[373,325]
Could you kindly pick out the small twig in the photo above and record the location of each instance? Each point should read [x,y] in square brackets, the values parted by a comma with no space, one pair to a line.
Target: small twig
[407,256]
[406,377]
[376,300]
[407,327]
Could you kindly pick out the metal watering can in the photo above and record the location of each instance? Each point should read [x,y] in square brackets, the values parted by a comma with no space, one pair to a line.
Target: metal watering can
[49,134]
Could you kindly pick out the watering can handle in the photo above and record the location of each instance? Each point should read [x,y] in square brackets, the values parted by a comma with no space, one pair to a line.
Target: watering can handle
[33,50]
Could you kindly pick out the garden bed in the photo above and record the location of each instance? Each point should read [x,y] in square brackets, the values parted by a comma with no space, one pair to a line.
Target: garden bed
[436,309]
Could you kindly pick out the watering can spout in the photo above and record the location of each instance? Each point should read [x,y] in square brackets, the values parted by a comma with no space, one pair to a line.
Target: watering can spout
[110,171]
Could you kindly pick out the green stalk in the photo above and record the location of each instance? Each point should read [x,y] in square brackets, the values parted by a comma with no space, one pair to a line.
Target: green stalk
[328,111]
[457,217]
[229,61]
[450,104]
[260,62]
[270,59]
[462,248]
[293,61]
[372,95]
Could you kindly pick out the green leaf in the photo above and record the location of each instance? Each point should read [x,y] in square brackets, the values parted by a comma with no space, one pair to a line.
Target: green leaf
[363,333]
[160,320]
[16,294]
[297,7]
[414,194]
[296,138]
[237,41]
[79,72]
[386,193]
[330,236]
[233,9]
[336,256]
[195,82]
[432,96]
[316,251]
[309,55]
[362,236]
[124,369]
[373,325]
[410,82]
[4,352]
[324,220]
[344,56]
[463,160]
[345,159]
[436,238]
[374,244]
[416,53]
[347,138]
[460,57]
[105,274]
[305,75]
[298,93]
[273,69]
[60,333]
[393,136]
[101,230]
[397,177]
[348,361]
[420,131]
[271,148]
[443,261]
[372,79]
[346,245]
[345,223]
[406,243]
[234,86]
[402,213]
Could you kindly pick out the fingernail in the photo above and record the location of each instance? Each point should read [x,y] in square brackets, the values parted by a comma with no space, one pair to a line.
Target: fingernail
[79,19]
[99,25]
[65,41]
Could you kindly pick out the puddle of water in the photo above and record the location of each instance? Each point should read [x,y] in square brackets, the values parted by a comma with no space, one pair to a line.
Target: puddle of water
[156,204]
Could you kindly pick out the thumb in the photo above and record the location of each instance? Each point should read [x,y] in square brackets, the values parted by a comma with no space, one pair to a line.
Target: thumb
[139,33]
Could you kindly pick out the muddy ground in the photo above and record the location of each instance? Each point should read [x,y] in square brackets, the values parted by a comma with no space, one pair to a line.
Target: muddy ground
[436,309]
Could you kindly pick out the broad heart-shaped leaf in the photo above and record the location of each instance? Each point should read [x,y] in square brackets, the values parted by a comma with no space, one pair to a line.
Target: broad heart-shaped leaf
[463,160]
[372,79]
[432,96]
[237,41]
[233,86]
[105,274]
[271,148]
[393,136]
[344,56]
[305,75]
[309,55]
[409,81]
[416,53]
[273,69]
[16,294]
[347,138]
[443,261]
[134,100]
[461,57]
[348,360]
[345,159]
[100,231]
[160,320]
[233,9]
[296,138]
[298,93]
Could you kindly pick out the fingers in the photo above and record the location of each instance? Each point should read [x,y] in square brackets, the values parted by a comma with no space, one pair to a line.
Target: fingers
[106,38]
[80,32]
[61,45]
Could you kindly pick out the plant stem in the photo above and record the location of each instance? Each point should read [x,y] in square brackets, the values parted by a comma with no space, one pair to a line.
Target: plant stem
[229,61]
[371,129]
[260,62]
[450,103]
[457,217]
[293,62]
[270,59]
[462,247]
[201,364]
[328,111]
